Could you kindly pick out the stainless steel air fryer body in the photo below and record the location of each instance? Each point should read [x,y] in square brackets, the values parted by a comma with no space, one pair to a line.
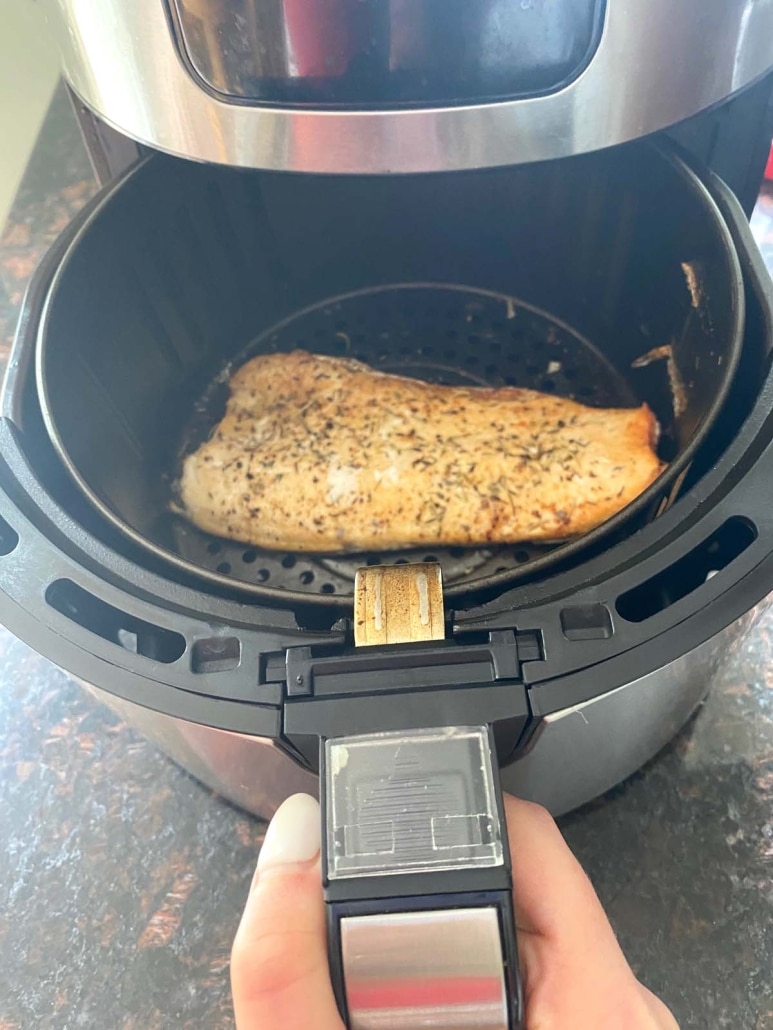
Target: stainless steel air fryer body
[392,86]
[579,752]
[553,675]
[227,658]
[584,672]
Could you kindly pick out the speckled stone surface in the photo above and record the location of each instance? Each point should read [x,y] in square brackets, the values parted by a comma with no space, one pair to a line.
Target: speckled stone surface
[122,879]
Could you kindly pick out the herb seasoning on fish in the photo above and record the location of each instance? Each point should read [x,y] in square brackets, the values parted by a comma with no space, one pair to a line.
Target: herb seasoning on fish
[324,454]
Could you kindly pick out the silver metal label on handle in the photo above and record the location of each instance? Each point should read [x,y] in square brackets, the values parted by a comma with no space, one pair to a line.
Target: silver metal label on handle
[441,969]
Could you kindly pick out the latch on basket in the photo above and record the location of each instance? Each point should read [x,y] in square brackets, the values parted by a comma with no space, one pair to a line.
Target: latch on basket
[397,604]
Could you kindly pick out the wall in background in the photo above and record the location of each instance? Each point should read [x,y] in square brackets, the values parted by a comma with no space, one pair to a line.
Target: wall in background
[29,71]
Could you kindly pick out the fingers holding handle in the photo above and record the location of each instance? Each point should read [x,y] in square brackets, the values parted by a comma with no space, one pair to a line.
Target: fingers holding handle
[574,972]
[279,966]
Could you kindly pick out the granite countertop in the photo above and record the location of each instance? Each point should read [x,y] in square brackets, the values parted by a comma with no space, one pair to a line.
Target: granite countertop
[122,879]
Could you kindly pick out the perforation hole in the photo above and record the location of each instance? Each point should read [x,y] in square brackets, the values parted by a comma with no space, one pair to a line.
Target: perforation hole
[9,538]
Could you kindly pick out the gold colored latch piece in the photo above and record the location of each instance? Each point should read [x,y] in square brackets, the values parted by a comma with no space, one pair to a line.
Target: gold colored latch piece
[396,604]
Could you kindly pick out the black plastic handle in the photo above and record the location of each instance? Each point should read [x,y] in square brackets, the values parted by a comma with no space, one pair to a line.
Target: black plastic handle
[416,868]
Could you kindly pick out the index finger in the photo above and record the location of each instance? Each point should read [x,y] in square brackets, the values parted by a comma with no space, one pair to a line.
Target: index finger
[553,896]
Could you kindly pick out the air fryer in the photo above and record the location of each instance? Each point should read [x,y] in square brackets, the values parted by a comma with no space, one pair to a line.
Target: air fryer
[474,208]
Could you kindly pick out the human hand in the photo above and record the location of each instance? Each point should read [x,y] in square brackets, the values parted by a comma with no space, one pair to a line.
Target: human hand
[575,976]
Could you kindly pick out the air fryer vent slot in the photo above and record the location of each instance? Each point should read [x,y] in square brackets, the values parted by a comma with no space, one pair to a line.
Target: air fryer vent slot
[586,622]
[688,573]
[112,624]
[216,654]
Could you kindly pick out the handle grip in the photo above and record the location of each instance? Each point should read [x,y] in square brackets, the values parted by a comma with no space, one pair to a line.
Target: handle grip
[417,882]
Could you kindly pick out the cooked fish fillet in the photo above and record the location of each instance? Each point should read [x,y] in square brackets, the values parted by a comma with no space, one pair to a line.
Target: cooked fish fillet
[325,454]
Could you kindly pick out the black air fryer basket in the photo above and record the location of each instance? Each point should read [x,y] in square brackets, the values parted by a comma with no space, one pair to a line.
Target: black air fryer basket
[611,279]
[154,628]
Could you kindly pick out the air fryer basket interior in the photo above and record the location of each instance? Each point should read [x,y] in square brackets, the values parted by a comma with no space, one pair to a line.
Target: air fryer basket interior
[559,277]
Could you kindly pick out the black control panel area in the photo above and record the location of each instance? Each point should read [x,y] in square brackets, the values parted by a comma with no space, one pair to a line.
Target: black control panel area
[373,53]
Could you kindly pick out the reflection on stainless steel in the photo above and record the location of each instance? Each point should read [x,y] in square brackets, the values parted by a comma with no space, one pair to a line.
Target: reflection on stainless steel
[581,752]
[438,970]
[657,63]
[250,771]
